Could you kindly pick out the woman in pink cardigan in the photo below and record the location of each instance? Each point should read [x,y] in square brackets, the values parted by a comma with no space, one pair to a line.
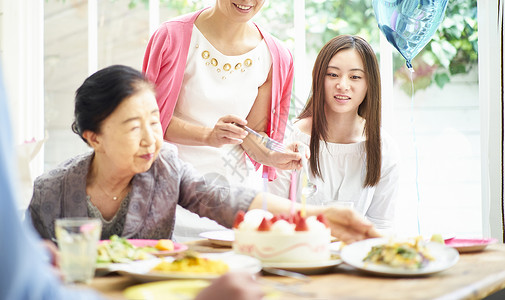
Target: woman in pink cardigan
[213,68]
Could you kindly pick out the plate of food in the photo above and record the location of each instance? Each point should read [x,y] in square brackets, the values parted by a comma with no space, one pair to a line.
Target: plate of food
[219,237]
[122,250]
[163,247]
[189,265]
[400,257]
[469,245]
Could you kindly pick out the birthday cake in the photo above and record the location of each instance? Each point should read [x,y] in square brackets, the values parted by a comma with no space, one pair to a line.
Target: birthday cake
[281,238]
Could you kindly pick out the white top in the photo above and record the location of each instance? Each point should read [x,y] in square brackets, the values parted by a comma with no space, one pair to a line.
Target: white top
[343,169]
[215,85]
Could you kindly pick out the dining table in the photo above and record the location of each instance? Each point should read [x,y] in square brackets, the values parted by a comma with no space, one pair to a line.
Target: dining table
[476,275]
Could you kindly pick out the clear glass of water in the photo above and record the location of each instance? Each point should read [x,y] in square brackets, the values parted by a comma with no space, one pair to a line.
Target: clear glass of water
[78,240]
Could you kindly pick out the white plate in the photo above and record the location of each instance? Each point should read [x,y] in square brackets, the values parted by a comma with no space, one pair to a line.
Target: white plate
[220,237]
[353,254]
[308,268]
[139,270]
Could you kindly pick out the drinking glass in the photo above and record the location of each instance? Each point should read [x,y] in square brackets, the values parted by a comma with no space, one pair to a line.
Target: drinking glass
[78,240]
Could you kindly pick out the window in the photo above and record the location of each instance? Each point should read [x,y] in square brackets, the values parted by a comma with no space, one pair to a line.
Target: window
[120,38]
[443,134]
[437,132]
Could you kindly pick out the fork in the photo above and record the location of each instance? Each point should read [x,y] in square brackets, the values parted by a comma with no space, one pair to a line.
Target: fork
[265,140]
[280,272]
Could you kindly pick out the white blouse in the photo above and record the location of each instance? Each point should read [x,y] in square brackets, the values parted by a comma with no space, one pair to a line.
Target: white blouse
[343,169]
[215,85]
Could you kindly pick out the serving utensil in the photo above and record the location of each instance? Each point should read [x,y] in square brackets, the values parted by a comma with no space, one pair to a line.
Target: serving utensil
[285,273]
[287,287]
[265,140]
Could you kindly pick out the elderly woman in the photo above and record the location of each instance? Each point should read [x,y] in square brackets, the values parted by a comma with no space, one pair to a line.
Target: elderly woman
[133,182]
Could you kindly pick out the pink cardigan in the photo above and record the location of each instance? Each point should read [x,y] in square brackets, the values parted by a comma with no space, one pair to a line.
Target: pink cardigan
[165,62]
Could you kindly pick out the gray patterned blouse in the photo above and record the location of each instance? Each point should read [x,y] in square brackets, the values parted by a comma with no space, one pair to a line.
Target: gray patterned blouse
[61,193]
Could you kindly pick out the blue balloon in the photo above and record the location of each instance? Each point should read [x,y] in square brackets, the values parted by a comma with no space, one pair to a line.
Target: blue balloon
[409,24]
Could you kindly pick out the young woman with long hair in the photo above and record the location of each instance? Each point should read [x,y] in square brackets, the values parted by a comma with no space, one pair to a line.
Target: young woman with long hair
[352,159]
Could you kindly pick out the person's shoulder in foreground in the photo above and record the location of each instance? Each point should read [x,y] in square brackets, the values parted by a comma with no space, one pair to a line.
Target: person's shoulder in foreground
[25,273]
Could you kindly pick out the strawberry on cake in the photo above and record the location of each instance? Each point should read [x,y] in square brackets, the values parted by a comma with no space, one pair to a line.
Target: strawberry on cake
[281,238]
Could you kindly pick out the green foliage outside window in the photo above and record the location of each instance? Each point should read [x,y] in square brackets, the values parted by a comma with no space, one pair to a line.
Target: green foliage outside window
[452,50]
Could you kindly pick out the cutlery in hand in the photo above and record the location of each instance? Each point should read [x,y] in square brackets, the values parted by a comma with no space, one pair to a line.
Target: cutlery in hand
[265,140]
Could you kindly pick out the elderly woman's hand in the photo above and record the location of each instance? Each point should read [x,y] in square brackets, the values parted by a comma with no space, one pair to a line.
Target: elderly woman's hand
[347,225]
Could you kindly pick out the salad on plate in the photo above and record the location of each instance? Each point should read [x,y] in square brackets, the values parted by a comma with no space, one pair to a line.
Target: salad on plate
[122,250]
[409,254]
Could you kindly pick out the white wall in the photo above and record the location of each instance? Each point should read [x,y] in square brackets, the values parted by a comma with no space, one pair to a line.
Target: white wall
[23,65]
[22,39]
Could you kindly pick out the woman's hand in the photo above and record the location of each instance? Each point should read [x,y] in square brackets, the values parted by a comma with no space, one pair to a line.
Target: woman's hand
[232,286]
[225,132]
[347,225]
[291,159]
